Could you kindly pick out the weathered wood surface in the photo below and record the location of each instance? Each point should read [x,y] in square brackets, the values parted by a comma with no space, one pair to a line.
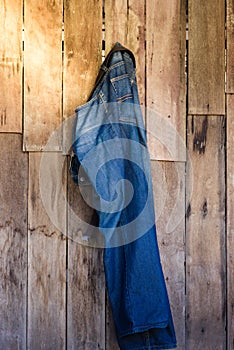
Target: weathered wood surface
[82,55]
[42,72]
[230,46]
[86,283]
[86,287]
[111,340]
[230,220]
[11,66]
[51,314]
[169,194]
[206,62]
[165,74]
[205,234]
[125,23]
[13,242]
[46,265]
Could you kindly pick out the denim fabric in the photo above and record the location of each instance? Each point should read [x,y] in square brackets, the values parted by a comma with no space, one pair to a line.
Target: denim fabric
[110,146]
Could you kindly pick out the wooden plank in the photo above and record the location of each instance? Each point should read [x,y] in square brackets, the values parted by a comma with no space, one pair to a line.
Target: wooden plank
[11,66]
[82,55]
[47,267]
[111,340]
[165,72]
[43,72]
[86,292]
[13,242]
[82,59]
[169,192]
[230,220]
[230,46]
[125,23]
[86,285]
[205,234]
[206,63]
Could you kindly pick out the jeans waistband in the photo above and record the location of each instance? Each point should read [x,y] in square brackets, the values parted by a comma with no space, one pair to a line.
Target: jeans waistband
[117,56]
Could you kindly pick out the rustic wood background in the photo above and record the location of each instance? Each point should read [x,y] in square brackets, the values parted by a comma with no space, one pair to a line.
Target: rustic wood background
[52,293]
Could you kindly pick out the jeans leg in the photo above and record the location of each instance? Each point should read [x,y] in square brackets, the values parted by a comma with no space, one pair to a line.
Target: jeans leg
[138,295]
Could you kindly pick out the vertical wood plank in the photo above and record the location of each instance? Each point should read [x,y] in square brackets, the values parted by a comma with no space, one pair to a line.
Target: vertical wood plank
[230,46]
[43,72]
[11,66]
[125,23]
[13,242]
[82,59]
[86,283]
[82,55]
[46,270]
[206,57]
[230,219]
[169,193]
[111,340]
[205,236]
[165,72]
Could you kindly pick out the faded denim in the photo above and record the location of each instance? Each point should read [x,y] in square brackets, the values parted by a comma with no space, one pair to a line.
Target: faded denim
[109,145]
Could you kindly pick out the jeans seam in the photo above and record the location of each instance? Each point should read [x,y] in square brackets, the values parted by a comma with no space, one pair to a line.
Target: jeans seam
[103,101]
[115,65]
[126,281]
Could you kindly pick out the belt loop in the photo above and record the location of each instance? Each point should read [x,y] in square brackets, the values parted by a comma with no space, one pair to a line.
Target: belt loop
[104,68]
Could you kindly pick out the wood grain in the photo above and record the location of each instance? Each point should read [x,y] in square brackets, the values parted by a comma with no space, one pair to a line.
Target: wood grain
[82,55]
[43,72]
[111,340]
[86,283]
[13,242]
[230,47]
[205,234]
[206,57]
[11,21]
[230,220]
[47,266]
[86,291]
[165,74]
[169,193]
[125,23]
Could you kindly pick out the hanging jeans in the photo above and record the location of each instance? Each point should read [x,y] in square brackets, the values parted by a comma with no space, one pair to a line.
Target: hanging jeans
[111,158]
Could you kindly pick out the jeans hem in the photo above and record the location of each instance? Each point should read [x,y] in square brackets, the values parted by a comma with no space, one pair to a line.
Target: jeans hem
[140,329]
[158,347]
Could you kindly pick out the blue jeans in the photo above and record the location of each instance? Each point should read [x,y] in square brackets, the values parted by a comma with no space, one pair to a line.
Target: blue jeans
[112,166]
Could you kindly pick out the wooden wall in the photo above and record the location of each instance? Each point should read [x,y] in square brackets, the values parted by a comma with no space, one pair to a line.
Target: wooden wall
[52,291]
